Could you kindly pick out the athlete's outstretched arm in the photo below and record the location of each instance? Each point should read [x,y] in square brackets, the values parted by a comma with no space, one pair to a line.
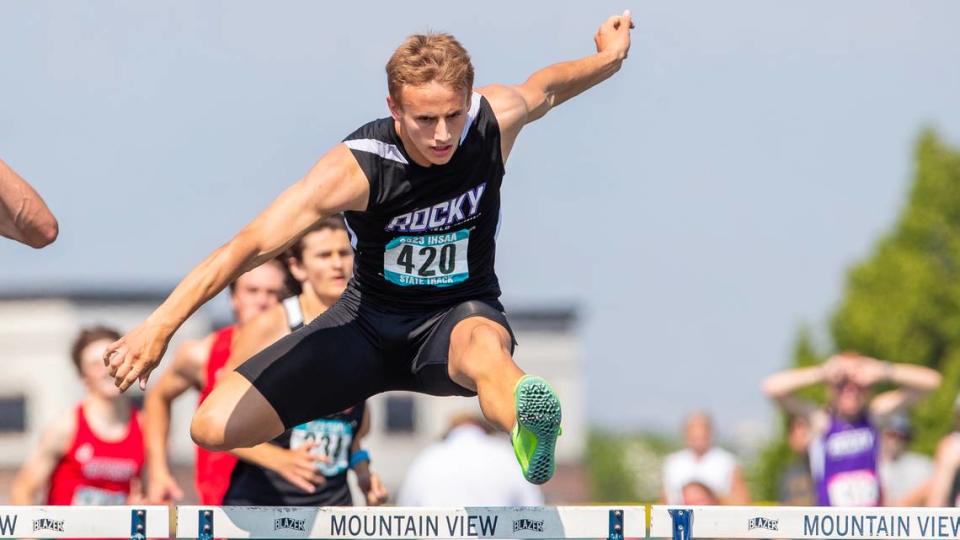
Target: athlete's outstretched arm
[24,216]
[516,106]
[336,183]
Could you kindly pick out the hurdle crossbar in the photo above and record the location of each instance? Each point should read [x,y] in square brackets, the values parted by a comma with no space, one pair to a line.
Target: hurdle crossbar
[207,522]
[134,522]
[798,522]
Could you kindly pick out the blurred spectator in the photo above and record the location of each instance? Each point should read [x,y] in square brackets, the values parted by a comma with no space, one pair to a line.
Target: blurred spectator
[904,476]
[93,453]
[24,216]
[796,483]
[469,467]
[945,483]
[701,462]
[844,455]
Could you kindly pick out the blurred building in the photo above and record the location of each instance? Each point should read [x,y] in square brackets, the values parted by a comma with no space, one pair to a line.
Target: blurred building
[39,382]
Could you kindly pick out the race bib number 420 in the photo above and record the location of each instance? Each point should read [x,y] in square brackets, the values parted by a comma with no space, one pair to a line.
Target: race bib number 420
[438,260]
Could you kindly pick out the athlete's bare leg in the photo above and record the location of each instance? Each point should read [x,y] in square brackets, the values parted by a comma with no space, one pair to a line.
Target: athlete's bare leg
[480,360]
[527,407]
[234,415]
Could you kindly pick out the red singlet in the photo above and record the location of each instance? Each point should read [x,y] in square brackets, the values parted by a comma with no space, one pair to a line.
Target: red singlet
[94,471]
[214,468]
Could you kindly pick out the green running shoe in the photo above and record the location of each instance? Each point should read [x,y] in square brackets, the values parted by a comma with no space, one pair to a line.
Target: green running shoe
[538,426]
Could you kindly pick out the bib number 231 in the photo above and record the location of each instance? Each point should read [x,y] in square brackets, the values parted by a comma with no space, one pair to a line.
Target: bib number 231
[438,260]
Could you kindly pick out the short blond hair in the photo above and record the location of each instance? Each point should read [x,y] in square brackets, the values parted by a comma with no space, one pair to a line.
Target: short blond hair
[424,58]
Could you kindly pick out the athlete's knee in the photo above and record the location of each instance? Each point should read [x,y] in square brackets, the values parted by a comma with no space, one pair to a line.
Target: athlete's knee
[208,429]
[479,350]
[489,338]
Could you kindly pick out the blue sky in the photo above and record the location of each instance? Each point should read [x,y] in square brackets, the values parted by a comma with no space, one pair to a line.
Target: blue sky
[698,206]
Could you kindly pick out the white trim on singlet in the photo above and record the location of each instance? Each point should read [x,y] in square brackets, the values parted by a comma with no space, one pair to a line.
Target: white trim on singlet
[471,115]
[816,454]
[294,313]
[380,148]
[350,233]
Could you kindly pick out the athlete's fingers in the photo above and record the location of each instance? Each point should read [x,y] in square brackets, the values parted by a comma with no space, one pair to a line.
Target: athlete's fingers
[318,458]
[136,495]
[127,380]
[611,22]
[302,483]
[144,377]
[308,448]
[116,359]
[622,22]
[175,492]
[628,19]
[305,466]
[120,373]
[377,489]
[310,474]
[112,349]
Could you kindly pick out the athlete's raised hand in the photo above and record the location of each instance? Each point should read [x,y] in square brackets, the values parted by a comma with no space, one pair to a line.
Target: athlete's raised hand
[869,371]
[614,35]
[136,354]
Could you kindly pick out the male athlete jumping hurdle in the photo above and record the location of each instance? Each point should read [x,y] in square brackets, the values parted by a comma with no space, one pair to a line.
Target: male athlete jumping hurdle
[420,191]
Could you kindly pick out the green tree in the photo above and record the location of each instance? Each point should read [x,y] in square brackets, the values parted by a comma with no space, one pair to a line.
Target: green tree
[902,302]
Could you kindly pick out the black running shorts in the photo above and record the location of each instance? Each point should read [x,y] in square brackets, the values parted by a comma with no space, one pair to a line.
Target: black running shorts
[357,349]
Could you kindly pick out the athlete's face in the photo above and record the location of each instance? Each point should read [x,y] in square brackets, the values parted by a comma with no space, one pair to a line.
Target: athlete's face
[94,374]
[430,118]
[327,263]
[256,291]
[849,399]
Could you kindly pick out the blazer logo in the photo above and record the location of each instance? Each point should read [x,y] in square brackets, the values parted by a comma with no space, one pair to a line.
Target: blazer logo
[47,524]
[527,525]
[763,523]
[290,523]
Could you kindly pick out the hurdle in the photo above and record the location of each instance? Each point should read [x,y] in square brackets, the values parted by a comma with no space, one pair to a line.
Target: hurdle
[134,522]
[208,522]
[799,522]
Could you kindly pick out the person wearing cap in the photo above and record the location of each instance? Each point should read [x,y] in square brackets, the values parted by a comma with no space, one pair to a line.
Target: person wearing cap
[845,452]
[904,475]
[945,483]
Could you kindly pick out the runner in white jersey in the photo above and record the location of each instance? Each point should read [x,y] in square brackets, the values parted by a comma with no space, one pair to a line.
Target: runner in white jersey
[421,194]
